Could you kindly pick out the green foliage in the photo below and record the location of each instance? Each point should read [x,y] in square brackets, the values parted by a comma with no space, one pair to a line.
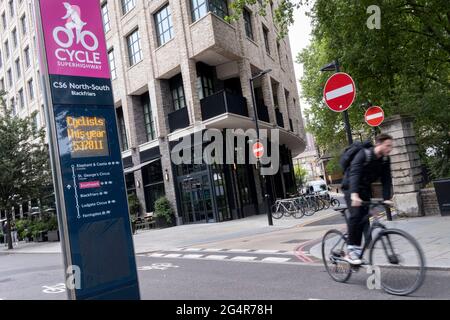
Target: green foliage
[133,205]
[163,209]
[300,175]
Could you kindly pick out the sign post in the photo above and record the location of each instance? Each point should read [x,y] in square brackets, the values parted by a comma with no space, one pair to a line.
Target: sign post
[88,175]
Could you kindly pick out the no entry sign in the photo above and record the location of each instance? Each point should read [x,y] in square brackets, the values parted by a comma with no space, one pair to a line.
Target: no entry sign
[339,92]
[258,150]
[374,116]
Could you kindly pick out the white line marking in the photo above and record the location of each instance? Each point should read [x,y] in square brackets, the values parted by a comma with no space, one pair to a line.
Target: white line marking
[216,257]
[239,250]
[156,255]
[193,249]
[266,251]
[172,255]
[242,258]
[213,250]
[192,256]
[374,116]
[274,259]
[336,93]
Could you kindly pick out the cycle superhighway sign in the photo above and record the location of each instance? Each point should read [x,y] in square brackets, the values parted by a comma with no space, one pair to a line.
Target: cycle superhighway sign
[92,206]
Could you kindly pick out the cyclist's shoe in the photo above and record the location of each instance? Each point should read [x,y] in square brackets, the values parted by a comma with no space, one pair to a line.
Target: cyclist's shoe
[353,258]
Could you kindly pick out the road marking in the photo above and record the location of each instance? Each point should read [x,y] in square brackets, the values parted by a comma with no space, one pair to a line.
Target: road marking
[158,255]
[172,255]
[266,251]
[58,288]
[216,257]
[213,250]
[243,258]
[157,266]
[193,249]
[275,259]
[193,256]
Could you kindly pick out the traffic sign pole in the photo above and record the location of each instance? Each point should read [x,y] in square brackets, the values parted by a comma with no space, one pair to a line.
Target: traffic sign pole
[348,128]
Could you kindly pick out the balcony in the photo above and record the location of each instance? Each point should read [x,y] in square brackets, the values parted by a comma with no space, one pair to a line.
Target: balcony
[279,116]
[263,112]
[223,102]
[178,119]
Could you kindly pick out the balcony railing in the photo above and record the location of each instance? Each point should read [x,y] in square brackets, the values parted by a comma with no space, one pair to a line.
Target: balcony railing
[178,119]
[263,112]
[223,102]
[279,116]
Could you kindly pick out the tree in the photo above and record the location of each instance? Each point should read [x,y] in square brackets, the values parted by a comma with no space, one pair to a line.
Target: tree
[300,175]
[24,169]
[404,66]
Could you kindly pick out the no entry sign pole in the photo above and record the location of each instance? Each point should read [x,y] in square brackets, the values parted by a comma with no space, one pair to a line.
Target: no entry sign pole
[348,128]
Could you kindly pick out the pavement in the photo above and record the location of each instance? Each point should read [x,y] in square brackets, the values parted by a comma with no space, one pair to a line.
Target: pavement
[299,238]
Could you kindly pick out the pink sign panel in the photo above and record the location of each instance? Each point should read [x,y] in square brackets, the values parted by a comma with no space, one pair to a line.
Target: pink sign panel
[74,38]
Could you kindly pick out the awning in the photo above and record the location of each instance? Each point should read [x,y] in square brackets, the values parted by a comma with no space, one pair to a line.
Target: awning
[132,169]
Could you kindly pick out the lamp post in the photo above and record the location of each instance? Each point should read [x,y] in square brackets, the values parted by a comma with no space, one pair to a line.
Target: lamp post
[266,196]
[334,66]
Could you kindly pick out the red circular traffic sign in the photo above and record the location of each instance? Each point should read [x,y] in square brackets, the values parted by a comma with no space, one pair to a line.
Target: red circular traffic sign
[339,92]
[258,150]
[374,116]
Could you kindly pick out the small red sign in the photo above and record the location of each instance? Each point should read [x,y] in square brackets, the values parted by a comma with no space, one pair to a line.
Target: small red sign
[258,150]
[339,92]
[90,185]
[374,116]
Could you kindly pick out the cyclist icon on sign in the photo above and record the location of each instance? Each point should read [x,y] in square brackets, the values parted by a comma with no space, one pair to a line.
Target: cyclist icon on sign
[73,21]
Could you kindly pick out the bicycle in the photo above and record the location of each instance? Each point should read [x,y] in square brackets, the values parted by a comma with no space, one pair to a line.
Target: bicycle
[382,254]
[286,207]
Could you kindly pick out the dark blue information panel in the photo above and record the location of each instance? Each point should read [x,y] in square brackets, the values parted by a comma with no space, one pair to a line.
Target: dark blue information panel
[95,200]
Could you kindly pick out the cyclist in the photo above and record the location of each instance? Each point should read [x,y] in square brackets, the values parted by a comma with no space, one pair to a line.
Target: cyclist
[367,166]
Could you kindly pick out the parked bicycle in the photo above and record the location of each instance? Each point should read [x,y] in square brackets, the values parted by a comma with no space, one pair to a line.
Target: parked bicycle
[286,208]
[395,253]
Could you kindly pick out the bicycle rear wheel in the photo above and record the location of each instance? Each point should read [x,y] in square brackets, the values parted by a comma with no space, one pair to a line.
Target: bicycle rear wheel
[333,251]
[400,261]
[335,203]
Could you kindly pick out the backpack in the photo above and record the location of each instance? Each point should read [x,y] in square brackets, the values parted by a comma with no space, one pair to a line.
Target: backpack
[351,151]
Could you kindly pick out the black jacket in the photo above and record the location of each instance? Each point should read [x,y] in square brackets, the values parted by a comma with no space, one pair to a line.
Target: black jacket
[361,174]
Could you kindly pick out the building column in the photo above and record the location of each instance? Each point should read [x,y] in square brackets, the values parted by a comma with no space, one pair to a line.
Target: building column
[283,105]
[244,76]
[266,86]
[405,165]
[189,74]
[169,177]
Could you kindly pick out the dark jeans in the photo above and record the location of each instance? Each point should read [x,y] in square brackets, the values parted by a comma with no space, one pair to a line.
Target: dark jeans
[358,220]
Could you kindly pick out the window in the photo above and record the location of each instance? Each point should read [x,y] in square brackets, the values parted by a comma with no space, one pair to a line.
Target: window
[205,85]
[122,130]
[164,26]
[148,119]
[112,64]
[11,8]
[14,36]
[10,78]
[23,22]
[31,89]
[152,179]
[248,23]
[18,68]
[134,48]
[219,7]
[2,84]
[37,120]
[26,53]
[21,99]
[199,8]
[105,16]
[4,23]
[177,90]
[13,106]
[7,49]
[1,60]
[266,39]
[278,51]
[128,5]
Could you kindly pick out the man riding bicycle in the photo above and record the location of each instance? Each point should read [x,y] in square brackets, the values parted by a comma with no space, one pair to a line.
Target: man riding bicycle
[366,165]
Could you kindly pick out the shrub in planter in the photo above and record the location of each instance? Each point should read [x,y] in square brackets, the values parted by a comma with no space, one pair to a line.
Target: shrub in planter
[164,213]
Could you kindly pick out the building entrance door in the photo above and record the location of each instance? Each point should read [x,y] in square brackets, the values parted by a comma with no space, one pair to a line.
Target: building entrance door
[196,198]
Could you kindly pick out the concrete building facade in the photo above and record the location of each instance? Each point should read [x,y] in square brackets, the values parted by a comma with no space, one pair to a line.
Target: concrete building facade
[178,67]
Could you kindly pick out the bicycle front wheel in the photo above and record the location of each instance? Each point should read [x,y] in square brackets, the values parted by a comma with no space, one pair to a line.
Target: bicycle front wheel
[398,262]
[277,211]
[333,251]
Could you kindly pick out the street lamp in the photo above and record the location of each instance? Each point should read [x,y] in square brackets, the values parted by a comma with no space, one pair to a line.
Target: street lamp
[334,66]
[260,74]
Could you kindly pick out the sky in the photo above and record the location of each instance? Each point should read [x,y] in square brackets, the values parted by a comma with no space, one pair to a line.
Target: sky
[299,36]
